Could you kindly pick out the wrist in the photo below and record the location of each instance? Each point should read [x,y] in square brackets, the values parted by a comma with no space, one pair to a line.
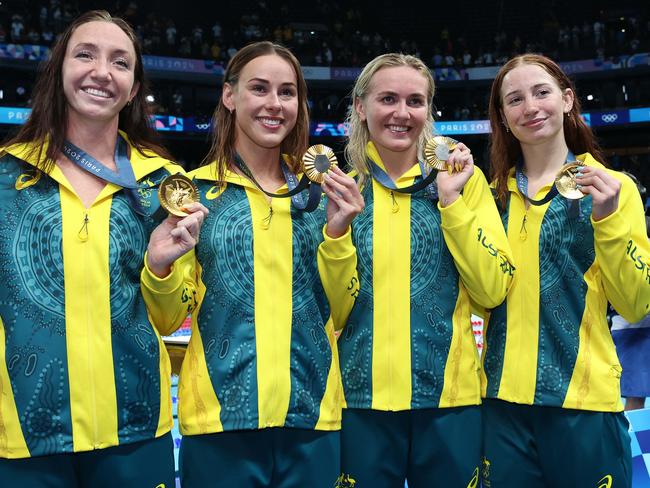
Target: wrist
[161,270]
[447,198]
[334,231]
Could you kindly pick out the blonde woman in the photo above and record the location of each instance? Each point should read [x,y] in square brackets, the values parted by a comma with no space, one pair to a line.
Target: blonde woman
[409,362]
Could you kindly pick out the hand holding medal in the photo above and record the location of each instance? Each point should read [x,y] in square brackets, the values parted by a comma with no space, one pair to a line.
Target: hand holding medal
[604,189]
[344,201]
[444,153]
[179,232]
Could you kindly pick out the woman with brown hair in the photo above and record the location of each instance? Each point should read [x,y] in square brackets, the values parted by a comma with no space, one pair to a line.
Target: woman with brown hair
[260,388]
[84,376]
[552,414]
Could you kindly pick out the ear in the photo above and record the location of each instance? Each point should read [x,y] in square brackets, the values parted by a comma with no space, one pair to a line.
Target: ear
[568,97]
[358,107]
[227,97]
[134,91]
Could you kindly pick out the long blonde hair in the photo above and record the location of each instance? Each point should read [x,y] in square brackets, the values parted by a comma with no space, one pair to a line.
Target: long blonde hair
[355,149]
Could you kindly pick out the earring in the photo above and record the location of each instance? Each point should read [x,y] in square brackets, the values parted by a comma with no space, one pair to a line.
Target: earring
[507,129]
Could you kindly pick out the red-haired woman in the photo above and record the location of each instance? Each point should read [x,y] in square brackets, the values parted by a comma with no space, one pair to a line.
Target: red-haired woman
[552,414]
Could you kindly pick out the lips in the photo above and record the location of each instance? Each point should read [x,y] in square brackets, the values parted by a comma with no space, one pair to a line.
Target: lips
[270,122]
[398,128]
[97,92]
[534,123]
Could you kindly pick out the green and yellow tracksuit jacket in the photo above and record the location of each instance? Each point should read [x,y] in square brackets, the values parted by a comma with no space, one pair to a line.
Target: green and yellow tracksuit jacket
[408,343]
[549,343]
[82,366]
[263,350]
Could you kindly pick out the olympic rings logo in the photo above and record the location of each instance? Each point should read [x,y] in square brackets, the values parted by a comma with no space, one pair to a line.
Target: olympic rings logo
[202,126]
[609,118]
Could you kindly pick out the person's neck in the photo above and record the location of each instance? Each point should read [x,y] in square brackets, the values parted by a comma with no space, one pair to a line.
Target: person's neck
[96,138]
[263,162]
[397,163]
[543,160]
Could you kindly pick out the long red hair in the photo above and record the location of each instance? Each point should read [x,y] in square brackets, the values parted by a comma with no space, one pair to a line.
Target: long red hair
[505,149]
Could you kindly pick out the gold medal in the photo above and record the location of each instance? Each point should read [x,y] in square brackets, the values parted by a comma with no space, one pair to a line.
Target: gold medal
[437,151]
[317,161]
[565,182]
[176,192]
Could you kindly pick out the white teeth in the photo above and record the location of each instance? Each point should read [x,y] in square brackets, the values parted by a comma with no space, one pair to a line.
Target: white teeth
[97,93]
[270,121]
[398,128]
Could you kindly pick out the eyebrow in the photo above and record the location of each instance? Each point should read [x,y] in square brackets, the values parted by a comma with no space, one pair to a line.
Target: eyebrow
[392,93]
[535,87]
[262,80]
[94,47]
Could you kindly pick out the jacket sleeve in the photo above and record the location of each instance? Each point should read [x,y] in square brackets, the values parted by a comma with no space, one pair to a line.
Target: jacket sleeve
[478,243]
[337,266]
[623,254]
[169,300]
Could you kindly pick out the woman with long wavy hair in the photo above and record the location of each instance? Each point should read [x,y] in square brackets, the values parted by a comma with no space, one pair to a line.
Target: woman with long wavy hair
[84,376]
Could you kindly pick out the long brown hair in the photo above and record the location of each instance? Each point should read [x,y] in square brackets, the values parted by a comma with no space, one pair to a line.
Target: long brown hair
[222,149]
[48,119]
[505,149]
[355,148]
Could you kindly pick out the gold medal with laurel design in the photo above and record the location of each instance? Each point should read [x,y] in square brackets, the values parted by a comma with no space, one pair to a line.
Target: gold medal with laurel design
[566,184]
[176,192]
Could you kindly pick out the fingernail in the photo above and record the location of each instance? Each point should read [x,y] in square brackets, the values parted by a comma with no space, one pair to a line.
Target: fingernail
[580,168]
[579,174]
[578,186]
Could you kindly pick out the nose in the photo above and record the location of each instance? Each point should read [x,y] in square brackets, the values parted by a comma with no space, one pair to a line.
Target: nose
[401,110]
[102,69]
[273,103]
[530,105]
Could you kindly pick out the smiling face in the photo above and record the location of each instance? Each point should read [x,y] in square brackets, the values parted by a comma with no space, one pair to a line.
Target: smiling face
[264,101]
[534,105]
[98,72]
[395,110]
